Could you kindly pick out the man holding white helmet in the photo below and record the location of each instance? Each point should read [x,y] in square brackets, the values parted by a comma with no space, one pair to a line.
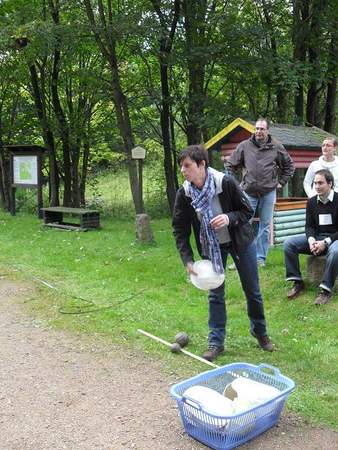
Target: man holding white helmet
[218,212]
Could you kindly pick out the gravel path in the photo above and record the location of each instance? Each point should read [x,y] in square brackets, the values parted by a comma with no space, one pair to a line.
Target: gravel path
[58,391]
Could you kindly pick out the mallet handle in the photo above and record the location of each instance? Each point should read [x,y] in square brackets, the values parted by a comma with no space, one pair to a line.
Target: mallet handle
[182,349]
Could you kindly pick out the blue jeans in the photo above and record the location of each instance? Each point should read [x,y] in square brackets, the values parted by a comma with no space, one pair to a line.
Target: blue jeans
[295,245]
[264,205]
[246,264]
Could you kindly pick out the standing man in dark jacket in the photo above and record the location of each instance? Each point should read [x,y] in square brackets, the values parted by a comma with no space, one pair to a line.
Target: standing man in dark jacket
[217,210]
[267,166]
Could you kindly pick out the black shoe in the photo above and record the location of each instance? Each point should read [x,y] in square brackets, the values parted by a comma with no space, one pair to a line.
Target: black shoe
[212,353]
[323,298]
[298,286]
[264,342]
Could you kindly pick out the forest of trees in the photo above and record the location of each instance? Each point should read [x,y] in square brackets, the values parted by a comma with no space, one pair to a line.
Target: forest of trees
[91,79]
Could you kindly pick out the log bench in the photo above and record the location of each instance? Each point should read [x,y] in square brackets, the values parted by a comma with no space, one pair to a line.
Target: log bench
[87,219]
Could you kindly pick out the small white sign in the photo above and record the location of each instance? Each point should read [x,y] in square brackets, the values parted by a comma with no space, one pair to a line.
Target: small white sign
[138,153]
[25,170]
[325,219]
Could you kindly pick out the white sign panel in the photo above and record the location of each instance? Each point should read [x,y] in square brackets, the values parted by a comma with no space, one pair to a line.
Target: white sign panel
[25,169]
[138,153]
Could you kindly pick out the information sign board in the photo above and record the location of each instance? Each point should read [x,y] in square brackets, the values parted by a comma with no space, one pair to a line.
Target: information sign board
[25,170]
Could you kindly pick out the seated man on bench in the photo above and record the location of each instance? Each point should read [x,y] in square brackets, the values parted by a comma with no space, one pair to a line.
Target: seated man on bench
[321,228]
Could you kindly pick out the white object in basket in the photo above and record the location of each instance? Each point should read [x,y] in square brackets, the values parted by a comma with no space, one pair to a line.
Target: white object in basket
[251,393]
[206,277]
[202,401]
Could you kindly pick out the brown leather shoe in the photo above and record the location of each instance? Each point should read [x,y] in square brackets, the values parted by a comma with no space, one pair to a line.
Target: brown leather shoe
[323,298]
[213,352]
[298,287]
[264,342]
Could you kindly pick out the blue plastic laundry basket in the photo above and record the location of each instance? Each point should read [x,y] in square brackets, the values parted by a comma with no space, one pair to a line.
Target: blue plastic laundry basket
[226,432]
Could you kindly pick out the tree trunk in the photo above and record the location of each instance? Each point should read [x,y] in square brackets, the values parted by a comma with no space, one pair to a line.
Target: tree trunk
[299,37]
[64,132]
[61,118]
[104,37]
[125,129]
[48,136]
[173,149]
[4,177]
[281,91]
[314,47]
[330,106]
[331,91]
[165,126]
[5,181]
[84,171]
[312,103]
[166,41]
[194,24]
[75,159]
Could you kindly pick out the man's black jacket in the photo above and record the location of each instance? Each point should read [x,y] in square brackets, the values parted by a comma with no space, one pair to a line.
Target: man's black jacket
[234,203]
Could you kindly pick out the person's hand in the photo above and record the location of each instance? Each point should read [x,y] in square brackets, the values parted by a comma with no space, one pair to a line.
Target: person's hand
[313,247]
[219,221]
[190,269]
[279,186]
[319,247]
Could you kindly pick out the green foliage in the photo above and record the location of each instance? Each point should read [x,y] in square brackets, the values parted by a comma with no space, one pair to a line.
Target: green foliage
[106,283]
[109,191]
[104,157]
[246,53]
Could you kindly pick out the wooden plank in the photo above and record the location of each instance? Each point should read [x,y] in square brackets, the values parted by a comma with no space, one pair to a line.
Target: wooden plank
[290,205]
[288,219]
[67,210]
[65,226]
[290,212]
[281,239]
[289,225]
[289,232]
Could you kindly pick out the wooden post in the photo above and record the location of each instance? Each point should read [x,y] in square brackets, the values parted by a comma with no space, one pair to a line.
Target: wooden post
[12,201]
[140,182]
[39,187]
[11,190]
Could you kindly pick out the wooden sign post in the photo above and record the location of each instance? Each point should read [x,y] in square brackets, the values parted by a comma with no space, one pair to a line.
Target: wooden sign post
[139,153]
[143,228]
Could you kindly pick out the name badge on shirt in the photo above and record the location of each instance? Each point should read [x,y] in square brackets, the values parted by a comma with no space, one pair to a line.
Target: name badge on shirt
[325,219]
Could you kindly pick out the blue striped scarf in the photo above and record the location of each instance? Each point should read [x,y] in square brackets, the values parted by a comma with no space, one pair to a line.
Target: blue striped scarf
[201,202]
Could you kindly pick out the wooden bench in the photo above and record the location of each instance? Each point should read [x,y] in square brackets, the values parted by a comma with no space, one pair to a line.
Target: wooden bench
[53,217]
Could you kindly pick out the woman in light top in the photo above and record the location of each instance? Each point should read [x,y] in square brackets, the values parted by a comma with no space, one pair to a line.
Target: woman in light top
[328,160]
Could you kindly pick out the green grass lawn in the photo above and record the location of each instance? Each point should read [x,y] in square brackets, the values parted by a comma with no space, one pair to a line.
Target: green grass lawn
[133,286]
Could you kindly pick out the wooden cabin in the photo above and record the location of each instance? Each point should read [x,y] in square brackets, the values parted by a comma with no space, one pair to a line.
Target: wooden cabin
[304,146]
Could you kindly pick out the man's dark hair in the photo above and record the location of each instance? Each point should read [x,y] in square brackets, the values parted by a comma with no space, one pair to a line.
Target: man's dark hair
[264,119]
[196,152]
[327,175]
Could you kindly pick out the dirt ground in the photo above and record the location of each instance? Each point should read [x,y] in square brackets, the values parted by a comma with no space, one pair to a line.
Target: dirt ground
[58,391]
